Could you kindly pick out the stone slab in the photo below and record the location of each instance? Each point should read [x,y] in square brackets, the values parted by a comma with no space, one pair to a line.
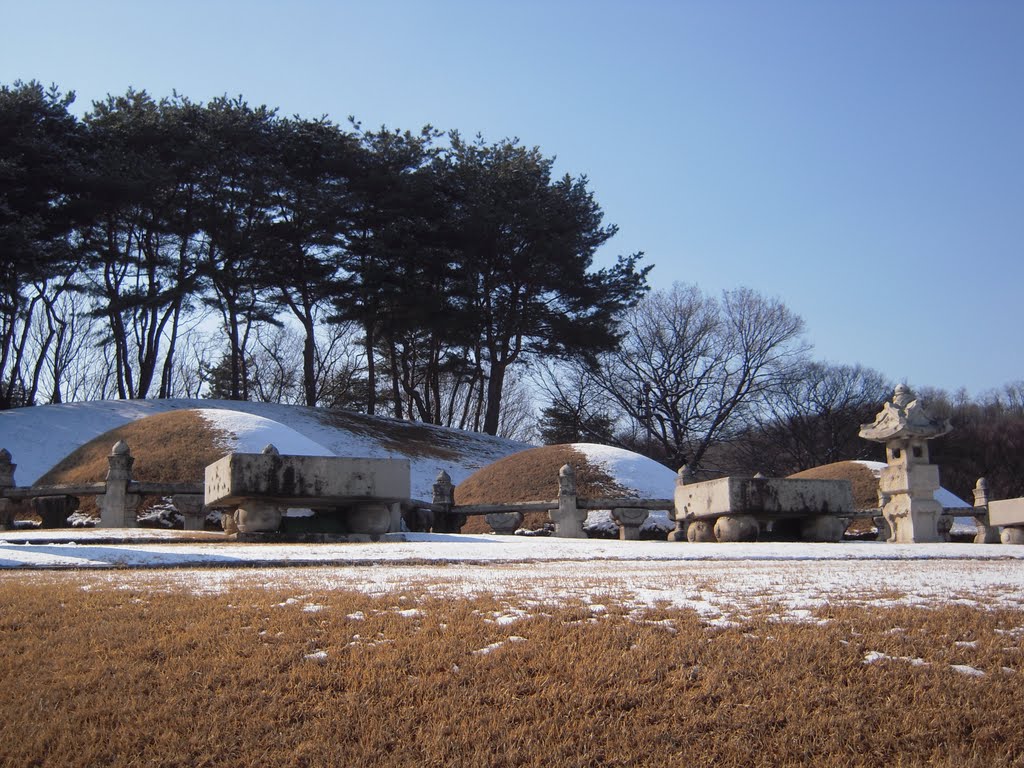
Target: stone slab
[305,481]
[768,495]
[1006,512]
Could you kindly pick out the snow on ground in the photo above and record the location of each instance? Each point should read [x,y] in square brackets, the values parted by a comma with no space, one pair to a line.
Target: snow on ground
[721,581]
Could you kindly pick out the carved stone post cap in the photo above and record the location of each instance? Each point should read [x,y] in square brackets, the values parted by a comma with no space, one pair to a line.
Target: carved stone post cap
[120,449]
[443,477]
[902,395]
[566,471]
[982,484]
[270,450]
[5,456]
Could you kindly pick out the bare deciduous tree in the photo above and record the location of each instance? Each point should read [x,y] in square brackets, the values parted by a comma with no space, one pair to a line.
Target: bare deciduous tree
[691,368]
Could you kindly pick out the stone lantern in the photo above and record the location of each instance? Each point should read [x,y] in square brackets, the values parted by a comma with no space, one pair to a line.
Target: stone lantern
[910,481]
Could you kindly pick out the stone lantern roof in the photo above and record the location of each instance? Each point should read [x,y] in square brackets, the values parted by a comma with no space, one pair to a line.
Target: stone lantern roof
[905,418]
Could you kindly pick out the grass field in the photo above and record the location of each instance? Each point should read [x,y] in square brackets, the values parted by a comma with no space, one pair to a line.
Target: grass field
[113,673]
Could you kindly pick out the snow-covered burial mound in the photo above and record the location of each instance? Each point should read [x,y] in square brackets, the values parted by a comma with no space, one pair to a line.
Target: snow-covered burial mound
[601,471]
[174,440]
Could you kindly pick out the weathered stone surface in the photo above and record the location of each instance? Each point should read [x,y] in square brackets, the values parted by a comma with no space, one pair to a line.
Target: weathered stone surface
[749,495]
[117,506]
[257,516]
[505,523]
[229,521]
[629,520]
[908,484]
[370,519]
[1012,535]
[192,510]
[732,528]
[701,531]
[568,519]
[305,481]
[1006,512]
[823,528]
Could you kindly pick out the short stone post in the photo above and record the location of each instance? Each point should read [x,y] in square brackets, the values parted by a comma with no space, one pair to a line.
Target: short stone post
[629,520]
[683,477]
[987,534]
[568,518]
[445,521]
[906,426]
[117,506]
[190,505]
[6,481]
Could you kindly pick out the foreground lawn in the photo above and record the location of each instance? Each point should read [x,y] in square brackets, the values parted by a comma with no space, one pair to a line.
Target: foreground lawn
[94,675]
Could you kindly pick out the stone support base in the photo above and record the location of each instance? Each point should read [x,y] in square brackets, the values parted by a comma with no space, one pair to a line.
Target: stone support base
[1012,534]
[258,517]
[505,523]
[733,528]
[629,520]
[701,532]
[370,519]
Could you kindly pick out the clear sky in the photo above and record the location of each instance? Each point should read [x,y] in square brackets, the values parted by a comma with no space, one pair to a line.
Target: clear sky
[863,161]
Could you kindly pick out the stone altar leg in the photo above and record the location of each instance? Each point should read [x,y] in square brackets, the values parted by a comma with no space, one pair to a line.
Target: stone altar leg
[505,523]
[732,528]
[258,517]
[701,532]
[229,521]
[369,519]
[1012,534]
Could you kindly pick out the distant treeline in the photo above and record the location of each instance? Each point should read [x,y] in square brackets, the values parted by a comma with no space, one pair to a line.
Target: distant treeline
[394,272]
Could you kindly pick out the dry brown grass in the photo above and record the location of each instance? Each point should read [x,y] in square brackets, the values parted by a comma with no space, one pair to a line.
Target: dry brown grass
[531,475]
[169,447]
[124,677]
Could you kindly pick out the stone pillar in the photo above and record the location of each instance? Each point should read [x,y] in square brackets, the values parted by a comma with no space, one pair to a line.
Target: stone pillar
[117,506]
[629,520]
[6,481]
[910,481]
[445,521]
[190,505]
[682,530]
[987,534]
[568,518]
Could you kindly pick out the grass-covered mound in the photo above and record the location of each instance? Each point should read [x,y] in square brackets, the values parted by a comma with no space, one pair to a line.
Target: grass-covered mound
[532,475]
[172,447]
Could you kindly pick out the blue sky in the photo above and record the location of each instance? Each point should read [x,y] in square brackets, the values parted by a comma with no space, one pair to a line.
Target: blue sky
[862,161]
